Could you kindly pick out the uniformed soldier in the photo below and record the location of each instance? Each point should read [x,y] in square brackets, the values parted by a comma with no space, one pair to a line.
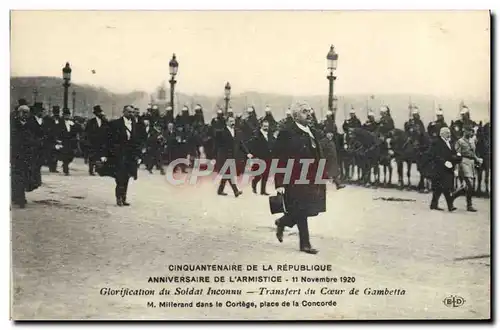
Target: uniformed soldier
[198,115]
[435,126]
[183,118]
[466,172]
[352,122]
[154,145]
[169,116]
[415,123]
[219,122]
[371,124]
[268,116]
[329,124]
[458,125]
[230,112]
[386,123]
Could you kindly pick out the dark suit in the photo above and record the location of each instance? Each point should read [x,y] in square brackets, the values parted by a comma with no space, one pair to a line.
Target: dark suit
[25,146]
[229,148]
[442,176]
[97,139]
[69,140]
[123,153]
[53,130]
[41,133]
[261,148]
[301,200]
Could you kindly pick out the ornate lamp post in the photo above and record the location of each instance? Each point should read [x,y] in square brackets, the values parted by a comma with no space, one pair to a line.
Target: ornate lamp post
[227,97]
[35,94]
[73,100]
[173,67]
[331,58]
[67,79]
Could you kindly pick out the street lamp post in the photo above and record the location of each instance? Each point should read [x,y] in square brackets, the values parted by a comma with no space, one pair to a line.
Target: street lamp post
[227,96]
[67,79]
[173,67]
[35,94]
[331,58]
[73,100]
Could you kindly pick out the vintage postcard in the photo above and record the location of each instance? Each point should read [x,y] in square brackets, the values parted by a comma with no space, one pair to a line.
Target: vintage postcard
[250,165]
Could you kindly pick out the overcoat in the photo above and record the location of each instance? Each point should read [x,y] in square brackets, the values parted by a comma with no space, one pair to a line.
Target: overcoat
[295,144]
[441,175]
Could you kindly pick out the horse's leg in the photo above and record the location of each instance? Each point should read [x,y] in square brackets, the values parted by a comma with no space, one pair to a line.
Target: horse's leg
[487,180]
[385,174]
[421,183]
[479,180]
[390,173]
[400,173]
[408,173]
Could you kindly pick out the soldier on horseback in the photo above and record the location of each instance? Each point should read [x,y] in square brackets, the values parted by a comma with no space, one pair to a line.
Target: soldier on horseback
[371,124]
[457,127]
[435,126]
[415,124]
[352,122]
[386,123]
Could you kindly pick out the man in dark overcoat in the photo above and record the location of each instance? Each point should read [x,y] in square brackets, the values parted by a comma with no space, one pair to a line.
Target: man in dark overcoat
[40,129]
[123,152]
[68,140]
[97,137]
[444,159]
[54,127]
[24,146]
[230,146]
[297,142]
[261,146]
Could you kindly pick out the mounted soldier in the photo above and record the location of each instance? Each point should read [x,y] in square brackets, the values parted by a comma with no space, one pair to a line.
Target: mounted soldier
[386,123]
[435,126]
[268,116]
[371,124]
[328,125]
[458,125]
[414,124]
[352,122]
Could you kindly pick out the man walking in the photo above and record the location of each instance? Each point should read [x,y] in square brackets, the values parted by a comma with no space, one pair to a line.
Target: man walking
[297,142]
[261,147]
[444,158]
[97,136]
[466,168]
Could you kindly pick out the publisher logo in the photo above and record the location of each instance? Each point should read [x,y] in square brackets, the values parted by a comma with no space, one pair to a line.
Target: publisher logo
[453,301]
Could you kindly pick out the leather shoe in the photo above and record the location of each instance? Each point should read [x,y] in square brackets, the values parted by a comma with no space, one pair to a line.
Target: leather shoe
[125,203]
[222,194]
[119,202]
[471,209]
[437,208]
[453,208]
[238,193]
[340,186]
[264,194]
[279,231]
[309,250]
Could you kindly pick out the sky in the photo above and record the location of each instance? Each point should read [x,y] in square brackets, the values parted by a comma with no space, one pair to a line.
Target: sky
[443,53]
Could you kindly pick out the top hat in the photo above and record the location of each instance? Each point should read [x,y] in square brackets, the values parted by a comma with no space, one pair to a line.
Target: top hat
[22,102]
[97,109]
[66,112]
[277,204]
[56,109]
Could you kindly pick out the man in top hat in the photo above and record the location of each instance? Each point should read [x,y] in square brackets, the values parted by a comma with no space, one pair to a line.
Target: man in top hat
[435,126]
[467,166]
[296,142]
[67,141]
[386,123]
[352,122]
[415,124]
[54,128]
[371,124]
[123,153]
[96,131]
[24,150]
[41,130]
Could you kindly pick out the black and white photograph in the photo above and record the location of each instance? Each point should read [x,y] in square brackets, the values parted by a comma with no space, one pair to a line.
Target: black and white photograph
[283,165]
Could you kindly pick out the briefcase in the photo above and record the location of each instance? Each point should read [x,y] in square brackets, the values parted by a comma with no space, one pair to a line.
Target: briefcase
[277,204]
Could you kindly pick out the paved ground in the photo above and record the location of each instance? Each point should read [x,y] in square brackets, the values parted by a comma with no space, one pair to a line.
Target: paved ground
[72,240]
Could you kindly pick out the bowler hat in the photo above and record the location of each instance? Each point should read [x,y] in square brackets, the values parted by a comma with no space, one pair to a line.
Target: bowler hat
[97,109]
[277,204]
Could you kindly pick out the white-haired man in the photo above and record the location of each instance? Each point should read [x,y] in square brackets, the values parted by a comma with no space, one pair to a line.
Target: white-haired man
[444,158]
[299,141]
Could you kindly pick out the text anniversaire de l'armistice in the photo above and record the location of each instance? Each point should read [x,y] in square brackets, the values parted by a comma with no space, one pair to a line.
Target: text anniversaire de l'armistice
[233,268]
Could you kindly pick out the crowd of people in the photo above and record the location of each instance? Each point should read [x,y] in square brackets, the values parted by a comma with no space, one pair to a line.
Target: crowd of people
[118,147]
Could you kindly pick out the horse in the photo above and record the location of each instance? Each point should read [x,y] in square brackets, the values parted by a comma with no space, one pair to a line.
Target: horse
[409,148]
[483,150]
[365,147]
